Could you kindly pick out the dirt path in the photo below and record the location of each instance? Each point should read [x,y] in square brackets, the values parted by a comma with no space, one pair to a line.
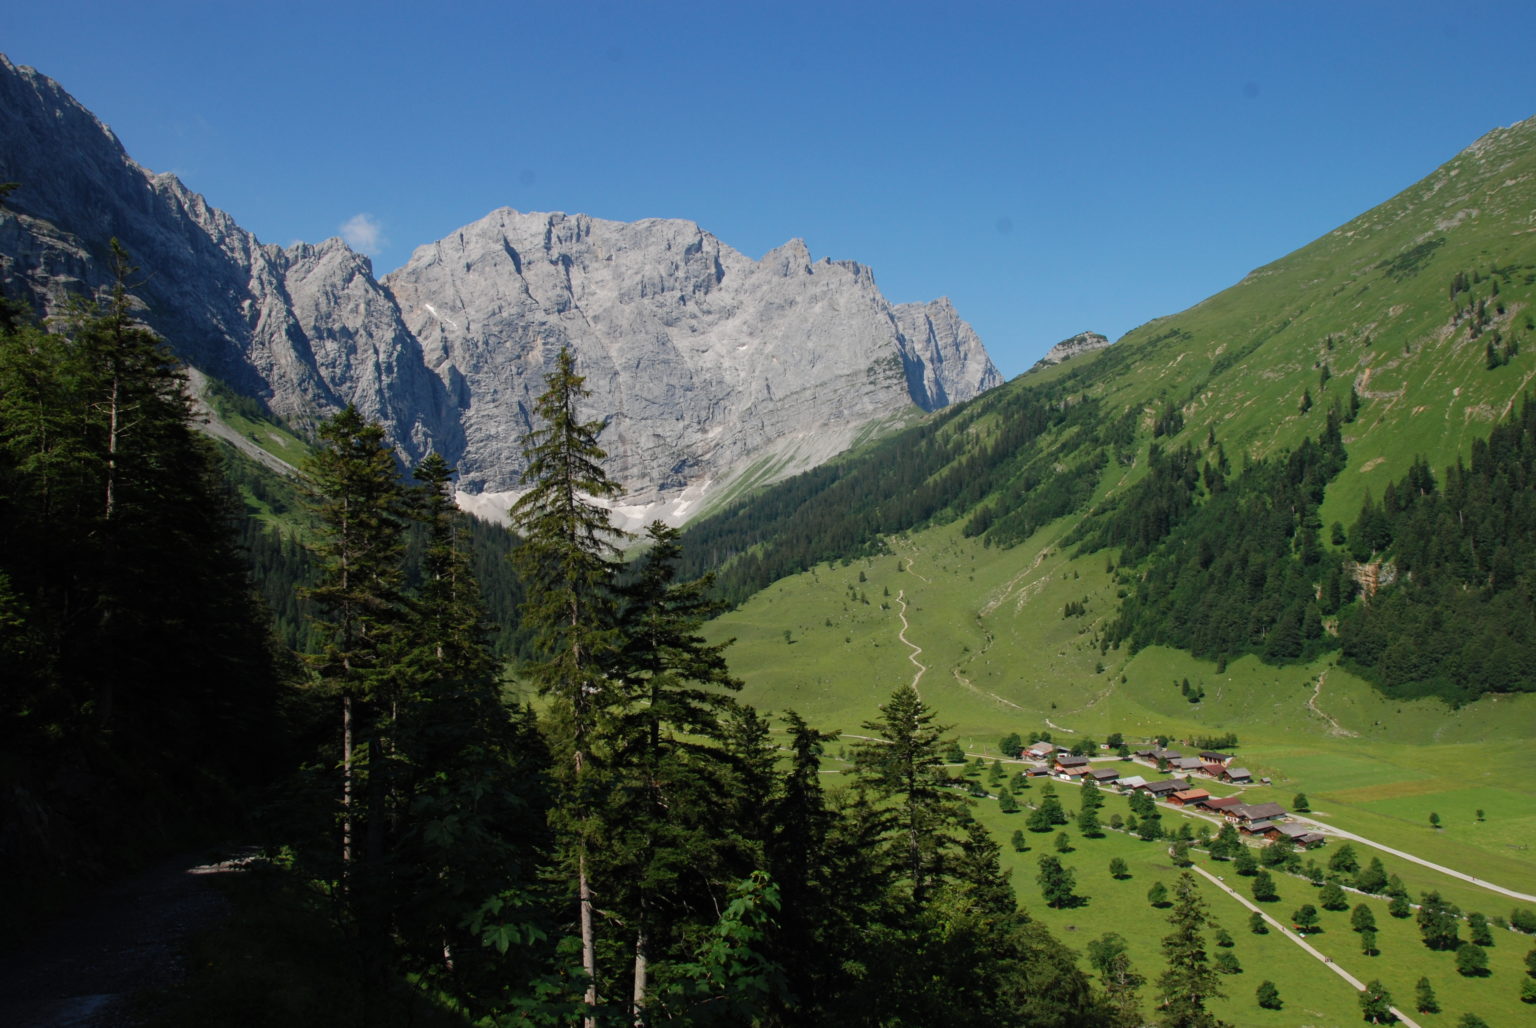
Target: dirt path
[922,669]
[1297,939]
[1334,727]
[84,970]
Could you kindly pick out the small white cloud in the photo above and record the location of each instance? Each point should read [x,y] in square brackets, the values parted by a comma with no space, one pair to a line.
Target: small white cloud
[364,234]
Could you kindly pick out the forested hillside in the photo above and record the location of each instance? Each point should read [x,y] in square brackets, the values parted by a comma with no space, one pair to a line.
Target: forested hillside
[630,848]
[140,692]
[1221,456]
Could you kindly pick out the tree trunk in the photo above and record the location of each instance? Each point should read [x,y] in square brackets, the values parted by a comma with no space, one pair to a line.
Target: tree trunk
[642,971]
[588,942]
[346,785]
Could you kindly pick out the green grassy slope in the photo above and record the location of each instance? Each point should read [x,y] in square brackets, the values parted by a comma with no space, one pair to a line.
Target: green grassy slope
[1389,303]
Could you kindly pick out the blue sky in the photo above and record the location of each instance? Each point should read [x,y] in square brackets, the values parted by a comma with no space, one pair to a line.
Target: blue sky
[1051,167]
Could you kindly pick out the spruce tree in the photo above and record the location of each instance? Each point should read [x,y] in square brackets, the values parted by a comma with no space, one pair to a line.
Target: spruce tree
[568,561]
[667,761]
[1424,998]
[1189,980]
[903,768]
[353,487]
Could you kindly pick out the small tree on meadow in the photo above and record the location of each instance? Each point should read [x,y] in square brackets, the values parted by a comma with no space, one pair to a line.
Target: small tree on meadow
[1368,943]
[1472,960]
[1332,897]
[1056,884]
[1439,922]
[1344,860]
[1299,803]
[1400,907]
[1006,802]
[1264,888]
[1424,998]
[1020,843]
[1306,919]
[1361,919]
[1372,878]
[1376,1004]
[1158,895]
[1268,996]
[1478,931]
[1118,870]
[1257,925]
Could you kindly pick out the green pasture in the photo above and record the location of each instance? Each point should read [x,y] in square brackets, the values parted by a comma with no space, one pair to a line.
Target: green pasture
[1312,994]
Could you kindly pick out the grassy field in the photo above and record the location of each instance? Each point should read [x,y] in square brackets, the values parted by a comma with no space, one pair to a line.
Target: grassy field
[998,656]
[1312,994]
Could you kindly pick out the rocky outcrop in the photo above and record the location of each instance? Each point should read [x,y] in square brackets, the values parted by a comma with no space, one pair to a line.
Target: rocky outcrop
[707,365]
[1083,342]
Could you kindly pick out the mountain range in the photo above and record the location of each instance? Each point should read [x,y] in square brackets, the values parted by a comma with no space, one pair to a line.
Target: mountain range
[713,371]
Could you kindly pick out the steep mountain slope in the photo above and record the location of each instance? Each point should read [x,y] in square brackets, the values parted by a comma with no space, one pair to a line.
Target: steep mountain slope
[1402,336]
[706,360]
[713,369]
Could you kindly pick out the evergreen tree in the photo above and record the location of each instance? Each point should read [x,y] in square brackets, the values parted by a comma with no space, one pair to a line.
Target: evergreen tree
[134,649]
[568,562]
[1424,998]
[354,489]
[1189,982]
[903,770]
[665,829]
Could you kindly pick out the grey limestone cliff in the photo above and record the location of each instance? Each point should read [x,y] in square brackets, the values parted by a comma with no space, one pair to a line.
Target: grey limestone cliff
[710,368]
[1083,342]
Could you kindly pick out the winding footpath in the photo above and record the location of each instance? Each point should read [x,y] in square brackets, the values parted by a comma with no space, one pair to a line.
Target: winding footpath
[1298,940]
[922,668]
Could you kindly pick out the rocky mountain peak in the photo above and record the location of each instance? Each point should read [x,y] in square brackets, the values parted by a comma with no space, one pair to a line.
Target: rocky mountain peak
[1083,342]
[707,366]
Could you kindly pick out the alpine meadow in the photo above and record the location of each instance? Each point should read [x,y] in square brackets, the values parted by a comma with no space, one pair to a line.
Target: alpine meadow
[1188,680]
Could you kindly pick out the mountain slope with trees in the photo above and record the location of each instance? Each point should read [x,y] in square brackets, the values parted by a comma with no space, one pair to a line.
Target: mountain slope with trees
[1228,450]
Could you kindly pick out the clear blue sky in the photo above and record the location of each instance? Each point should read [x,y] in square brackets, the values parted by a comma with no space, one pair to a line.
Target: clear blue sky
[1051,167]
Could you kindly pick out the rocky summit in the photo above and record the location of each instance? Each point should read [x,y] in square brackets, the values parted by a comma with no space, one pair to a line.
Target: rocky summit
[712,370]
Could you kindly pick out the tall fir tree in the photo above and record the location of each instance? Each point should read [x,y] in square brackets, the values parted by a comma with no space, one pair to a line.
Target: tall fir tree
[902,766]
[568,560]
[1189,980]
[668,840]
